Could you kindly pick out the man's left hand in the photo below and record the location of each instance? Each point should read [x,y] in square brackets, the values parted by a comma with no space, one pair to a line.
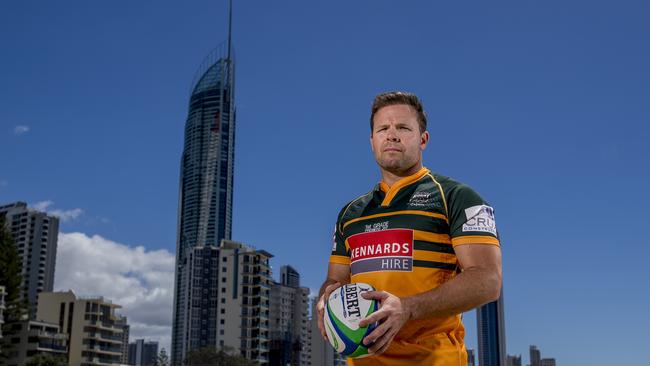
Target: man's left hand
[393,313]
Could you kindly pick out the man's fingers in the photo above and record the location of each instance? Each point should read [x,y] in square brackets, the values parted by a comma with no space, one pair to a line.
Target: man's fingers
[332,287]
[374,317]
[377,295]
[382,343]
[320,308]
[379,344]
[329,289]
[376,334]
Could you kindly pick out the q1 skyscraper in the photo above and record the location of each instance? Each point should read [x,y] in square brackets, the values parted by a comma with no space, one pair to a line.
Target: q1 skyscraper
[205,196]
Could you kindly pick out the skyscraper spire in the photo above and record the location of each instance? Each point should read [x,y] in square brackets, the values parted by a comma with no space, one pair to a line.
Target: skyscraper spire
[229,29]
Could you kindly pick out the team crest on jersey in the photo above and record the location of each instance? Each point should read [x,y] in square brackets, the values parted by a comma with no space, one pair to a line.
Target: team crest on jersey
[480,218]
[424,200]
[386,250]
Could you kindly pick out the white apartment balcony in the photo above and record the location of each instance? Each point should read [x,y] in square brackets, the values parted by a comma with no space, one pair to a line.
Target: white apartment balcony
[104,337]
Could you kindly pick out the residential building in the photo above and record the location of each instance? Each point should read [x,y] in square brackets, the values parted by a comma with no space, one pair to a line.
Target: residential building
[228,304]
[2,308]
[205,193]
[95,331]
[322,352]
[289,276]
[35,235]
[143,353]
[122,322]
[491,334]
[471,357]
[535,356]
[547,362]
[513,360]
[290,326]
[31,337]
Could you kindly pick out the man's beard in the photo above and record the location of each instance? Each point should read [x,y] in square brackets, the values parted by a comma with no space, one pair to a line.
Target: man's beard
[397,166]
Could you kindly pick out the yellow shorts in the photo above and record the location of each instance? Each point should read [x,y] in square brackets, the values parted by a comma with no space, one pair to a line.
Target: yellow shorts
[441,349]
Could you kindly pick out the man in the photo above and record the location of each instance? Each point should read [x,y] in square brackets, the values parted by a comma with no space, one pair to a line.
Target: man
[448,259]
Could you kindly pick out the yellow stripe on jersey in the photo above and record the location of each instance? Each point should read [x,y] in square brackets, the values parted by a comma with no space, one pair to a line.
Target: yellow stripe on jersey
[474,239]
[339,259]
[431,237]
[404,212]
[425,255]
[442,193]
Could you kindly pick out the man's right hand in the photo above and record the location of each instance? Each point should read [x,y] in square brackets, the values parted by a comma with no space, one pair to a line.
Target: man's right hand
[320,306]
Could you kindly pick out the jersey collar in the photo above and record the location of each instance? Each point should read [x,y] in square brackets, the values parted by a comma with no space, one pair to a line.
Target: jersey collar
[392,191]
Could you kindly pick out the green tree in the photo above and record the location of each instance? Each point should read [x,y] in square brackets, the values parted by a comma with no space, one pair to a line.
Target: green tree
[162,359]
[44,359]
[210,356]
[10,278]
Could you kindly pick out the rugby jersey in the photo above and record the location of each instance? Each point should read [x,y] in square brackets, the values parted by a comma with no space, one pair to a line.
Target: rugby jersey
[401,238]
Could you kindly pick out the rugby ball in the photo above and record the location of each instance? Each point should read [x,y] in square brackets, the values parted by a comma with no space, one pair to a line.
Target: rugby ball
[344,309]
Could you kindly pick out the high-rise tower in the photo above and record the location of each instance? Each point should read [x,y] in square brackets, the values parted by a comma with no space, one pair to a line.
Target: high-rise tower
[35,235]
[206,180]
[491,334]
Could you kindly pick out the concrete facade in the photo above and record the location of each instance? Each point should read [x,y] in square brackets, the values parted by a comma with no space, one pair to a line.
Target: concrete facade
[94,330]
[31,337]
[290,326]
[228,300]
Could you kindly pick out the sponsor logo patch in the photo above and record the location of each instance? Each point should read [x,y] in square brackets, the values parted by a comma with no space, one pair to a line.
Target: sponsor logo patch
[386,250]
[480,218]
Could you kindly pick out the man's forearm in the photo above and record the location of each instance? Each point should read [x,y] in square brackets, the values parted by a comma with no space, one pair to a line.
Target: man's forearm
[468,290]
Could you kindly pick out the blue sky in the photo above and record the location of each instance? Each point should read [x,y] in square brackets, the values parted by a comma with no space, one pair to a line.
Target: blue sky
[542,107]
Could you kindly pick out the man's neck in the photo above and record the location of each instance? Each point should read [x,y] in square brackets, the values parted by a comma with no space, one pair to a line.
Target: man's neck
[389,178]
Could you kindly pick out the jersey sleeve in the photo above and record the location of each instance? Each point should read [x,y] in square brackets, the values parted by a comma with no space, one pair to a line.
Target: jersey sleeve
[471,219]
[340,253]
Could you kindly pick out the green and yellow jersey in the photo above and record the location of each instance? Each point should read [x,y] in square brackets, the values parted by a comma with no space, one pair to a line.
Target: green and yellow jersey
[401,239]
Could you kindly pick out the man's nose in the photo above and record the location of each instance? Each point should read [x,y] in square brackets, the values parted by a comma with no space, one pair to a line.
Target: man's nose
[392,135]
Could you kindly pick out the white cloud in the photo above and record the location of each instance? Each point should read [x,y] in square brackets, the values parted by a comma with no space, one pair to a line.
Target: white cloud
[21,129]
[63,215]
[140,281]
[42,205]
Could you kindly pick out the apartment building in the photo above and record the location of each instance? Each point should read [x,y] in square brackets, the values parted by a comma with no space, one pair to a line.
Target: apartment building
[95,332]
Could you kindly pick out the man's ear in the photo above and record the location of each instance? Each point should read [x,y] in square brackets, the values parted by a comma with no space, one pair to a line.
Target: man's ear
[424,140]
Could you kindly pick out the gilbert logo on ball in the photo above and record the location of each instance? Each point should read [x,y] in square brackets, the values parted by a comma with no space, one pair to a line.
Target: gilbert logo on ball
[344,309]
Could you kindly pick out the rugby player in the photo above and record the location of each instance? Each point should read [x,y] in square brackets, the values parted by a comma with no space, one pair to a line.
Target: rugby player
[447,259]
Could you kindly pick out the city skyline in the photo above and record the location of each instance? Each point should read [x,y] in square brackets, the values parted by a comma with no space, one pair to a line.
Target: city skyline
[539,98]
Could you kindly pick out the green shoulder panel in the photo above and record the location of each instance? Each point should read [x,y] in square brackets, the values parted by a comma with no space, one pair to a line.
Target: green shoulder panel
[469,214]
[350,211]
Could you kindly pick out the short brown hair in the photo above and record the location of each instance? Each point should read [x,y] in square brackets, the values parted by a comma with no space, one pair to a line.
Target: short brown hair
[398,97]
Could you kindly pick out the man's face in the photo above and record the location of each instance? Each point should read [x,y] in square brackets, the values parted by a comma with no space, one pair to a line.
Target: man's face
[396,140]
